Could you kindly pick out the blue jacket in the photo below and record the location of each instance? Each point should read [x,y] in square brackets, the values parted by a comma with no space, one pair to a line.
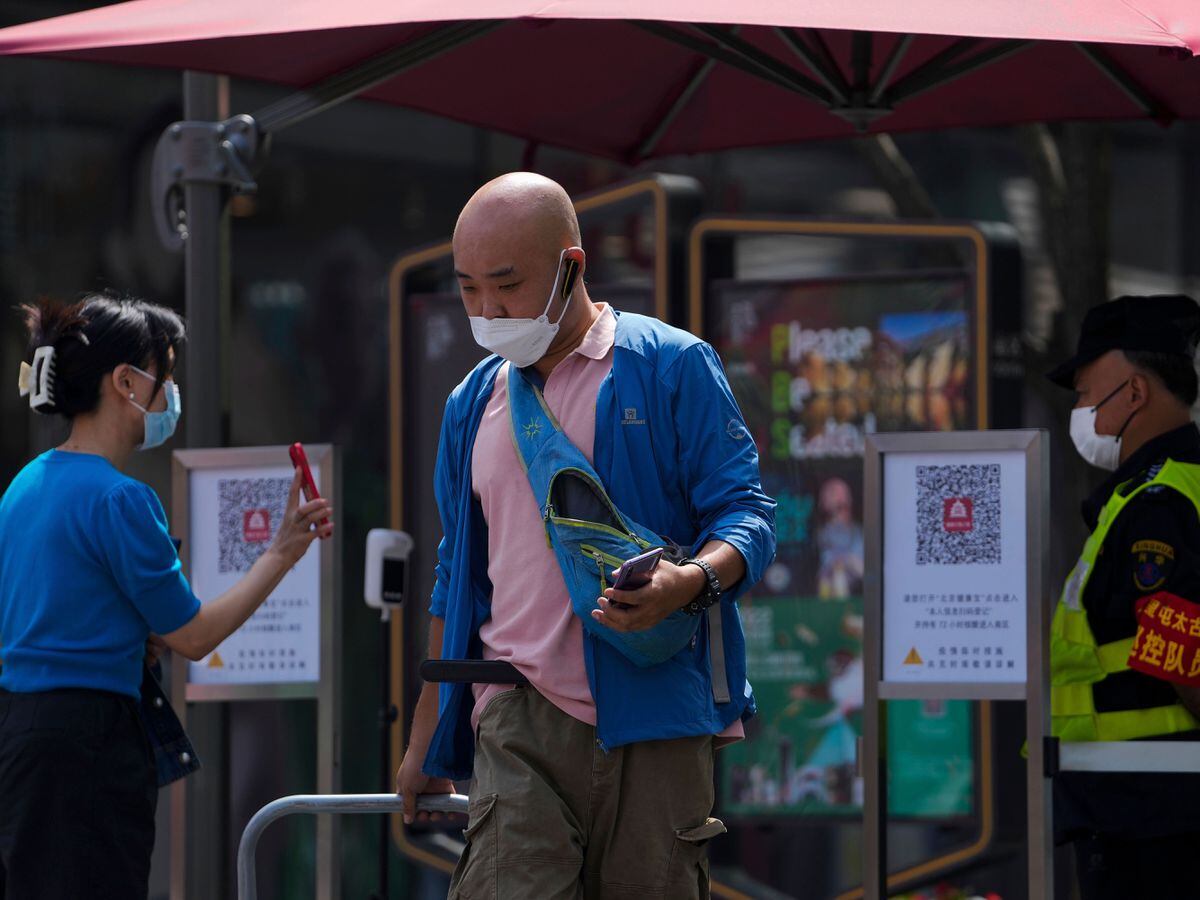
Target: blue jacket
[675,455]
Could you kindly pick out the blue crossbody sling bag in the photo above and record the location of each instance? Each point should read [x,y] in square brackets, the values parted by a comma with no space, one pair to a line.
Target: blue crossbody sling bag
[589,535]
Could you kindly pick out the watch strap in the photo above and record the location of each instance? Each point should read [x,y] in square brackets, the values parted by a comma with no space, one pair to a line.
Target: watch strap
[712,590]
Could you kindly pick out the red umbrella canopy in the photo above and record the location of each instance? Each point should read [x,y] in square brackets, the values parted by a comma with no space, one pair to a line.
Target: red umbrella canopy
[682,77]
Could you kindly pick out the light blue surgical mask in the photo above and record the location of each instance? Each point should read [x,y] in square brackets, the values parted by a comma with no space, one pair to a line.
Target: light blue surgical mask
[159,425]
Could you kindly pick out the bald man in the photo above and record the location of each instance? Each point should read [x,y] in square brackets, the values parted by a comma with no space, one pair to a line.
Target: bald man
[595,780]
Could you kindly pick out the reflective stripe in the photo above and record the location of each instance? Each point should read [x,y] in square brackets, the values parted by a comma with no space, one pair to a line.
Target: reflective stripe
[1078,664]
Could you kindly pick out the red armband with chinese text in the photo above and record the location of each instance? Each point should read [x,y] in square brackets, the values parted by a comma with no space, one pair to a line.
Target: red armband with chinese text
[1167,644]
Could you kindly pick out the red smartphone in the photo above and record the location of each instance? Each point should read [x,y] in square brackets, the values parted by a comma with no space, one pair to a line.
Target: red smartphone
[300,461]
[635,573]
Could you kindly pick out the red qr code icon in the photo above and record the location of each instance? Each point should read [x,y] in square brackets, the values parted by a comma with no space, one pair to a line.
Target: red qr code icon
[256,526]
[958,514]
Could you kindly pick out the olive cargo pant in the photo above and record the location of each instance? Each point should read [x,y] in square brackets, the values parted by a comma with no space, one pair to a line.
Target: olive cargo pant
[554,817]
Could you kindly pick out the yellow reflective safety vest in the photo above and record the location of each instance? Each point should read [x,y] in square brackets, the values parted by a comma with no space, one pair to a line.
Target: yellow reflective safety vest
[1078,663]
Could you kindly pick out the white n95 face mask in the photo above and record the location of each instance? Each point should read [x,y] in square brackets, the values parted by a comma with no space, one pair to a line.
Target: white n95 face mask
[524,341]
[1101,450]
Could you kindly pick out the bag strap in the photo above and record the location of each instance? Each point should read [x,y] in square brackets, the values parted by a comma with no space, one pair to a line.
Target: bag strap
[716,655]
[531,422]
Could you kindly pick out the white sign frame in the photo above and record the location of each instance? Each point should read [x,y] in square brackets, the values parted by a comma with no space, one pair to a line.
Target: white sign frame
[966,446]
[324,462]
[904,454]
[239,462]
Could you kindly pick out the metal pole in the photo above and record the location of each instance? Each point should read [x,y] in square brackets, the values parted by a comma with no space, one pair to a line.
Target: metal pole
[206,276]
[872,760]
[322,803]
[329,694]
[387,715]
[1039,801]
[207,285]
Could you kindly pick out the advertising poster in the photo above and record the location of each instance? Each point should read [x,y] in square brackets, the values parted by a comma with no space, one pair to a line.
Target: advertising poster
[816,366]
[235,514]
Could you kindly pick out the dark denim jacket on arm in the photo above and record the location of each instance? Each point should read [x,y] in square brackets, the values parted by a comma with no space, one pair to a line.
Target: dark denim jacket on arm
[174,755]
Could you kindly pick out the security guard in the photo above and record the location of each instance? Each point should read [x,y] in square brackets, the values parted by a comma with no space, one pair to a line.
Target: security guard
[1125,642]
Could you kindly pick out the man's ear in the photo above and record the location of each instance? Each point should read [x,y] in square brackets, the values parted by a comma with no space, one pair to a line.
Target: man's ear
[1140,387]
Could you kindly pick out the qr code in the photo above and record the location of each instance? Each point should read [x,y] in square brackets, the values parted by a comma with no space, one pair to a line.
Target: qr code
[250,512]
[958,515]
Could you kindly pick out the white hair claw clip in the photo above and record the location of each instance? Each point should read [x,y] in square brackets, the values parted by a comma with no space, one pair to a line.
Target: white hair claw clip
[37,381]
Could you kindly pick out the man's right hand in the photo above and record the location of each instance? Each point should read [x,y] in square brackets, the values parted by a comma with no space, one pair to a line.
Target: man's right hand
[411,782]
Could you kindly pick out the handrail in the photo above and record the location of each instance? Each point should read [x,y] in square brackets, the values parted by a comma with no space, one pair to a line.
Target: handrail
[326,803]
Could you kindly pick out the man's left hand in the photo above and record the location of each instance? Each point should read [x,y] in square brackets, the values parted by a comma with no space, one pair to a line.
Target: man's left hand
[671,587]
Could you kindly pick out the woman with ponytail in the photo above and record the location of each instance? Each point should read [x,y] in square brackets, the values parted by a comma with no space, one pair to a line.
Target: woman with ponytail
[90,583]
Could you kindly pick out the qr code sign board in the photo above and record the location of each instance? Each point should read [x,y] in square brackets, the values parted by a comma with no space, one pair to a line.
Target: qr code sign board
[958,515]
[248,511]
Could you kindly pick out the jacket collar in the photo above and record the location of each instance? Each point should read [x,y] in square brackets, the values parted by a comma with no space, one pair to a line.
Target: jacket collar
[1181,444]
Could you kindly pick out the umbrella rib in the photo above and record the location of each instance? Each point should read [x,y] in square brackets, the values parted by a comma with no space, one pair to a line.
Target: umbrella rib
[831,64]
[350,83]
[939,61]
[681,100]
[860,59]
[720,54]
[821,64]
[1119,76]
[929,76]
[889,68]
[801,83]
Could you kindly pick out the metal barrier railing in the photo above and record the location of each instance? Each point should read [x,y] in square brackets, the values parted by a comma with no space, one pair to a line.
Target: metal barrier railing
[325,803]
[465,671]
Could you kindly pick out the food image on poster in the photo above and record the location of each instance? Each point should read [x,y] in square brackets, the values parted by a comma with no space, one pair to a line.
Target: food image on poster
[817,365]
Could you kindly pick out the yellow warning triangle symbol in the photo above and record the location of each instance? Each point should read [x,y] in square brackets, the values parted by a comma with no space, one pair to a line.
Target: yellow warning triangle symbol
[215,661]
[913,658]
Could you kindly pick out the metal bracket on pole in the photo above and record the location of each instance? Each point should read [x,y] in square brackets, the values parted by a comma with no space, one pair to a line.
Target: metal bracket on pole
[221,153]
[1051,763]
[229,153]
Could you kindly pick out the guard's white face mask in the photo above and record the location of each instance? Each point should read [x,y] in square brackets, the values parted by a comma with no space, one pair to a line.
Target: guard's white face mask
[524,341]
[1101,450]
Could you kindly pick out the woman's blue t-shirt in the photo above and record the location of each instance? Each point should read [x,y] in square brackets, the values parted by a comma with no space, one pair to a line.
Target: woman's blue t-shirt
[87,571]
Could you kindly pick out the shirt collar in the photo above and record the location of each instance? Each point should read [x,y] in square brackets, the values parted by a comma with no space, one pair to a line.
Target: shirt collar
[599,338]
[1181,444]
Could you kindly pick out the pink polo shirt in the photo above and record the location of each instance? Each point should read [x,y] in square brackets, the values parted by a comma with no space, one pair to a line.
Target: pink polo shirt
[532,625]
